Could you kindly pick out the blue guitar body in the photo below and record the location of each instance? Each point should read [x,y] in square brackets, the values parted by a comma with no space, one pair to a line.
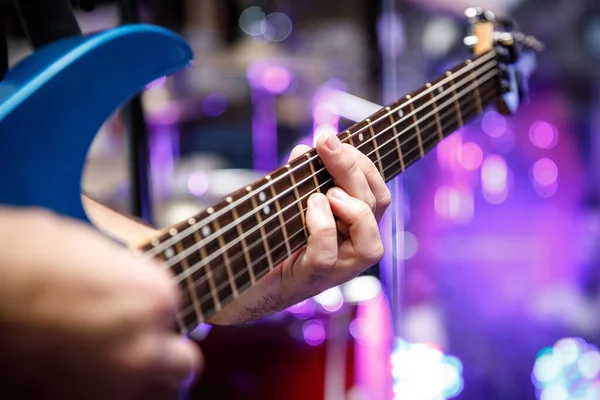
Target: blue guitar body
[53,103]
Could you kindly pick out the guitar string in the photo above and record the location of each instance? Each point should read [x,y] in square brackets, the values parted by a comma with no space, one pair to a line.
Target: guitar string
[488,58]
[184,254]
[160,247]
[192,269]
[191,309]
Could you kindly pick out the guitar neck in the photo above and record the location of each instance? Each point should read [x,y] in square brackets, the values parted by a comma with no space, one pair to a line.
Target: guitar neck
[224,250]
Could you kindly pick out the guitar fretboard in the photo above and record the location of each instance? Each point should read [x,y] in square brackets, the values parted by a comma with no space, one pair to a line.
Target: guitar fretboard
[224,250]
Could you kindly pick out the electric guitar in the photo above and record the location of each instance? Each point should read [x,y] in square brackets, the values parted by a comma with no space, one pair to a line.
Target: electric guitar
[53,102]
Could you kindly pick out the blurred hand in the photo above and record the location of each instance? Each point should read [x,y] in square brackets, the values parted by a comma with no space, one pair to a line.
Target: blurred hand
[337,252]
[81,317]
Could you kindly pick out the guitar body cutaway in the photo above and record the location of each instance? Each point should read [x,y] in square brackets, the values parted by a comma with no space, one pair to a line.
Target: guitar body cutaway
[53,103]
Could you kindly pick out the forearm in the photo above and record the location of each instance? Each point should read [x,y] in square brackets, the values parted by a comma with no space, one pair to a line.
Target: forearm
[265,298]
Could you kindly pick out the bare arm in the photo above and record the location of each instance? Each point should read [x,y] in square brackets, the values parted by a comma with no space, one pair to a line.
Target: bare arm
[359,202]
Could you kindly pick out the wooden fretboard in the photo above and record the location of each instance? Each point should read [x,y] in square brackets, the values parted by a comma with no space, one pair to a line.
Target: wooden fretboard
[225,249]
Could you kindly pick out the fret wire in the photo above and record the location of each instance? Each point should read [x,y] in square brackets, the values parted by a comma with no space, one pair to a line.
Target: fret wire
[313,173]
[228,269]
[437,117]
[486,59]
[240,233]
[396,137]
[475,86]
[412,160]
[190,285]
[457,106]
[349,137]
[491,73]
[261,229]
[300,206]
[376,146]
[281,221]
[416,123]
[210,278]
[388,167]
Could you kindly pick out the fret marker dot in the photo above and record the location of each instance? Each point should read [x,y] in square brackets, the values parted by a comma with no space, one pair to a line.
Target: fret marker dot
[210,210]
[155,242]
[192,221]
[401,113]
[268,177]
[262,196]
[249,188]
[229,199]
[169,253]
[205,230]
[267,210]
[173,231]
[361,137]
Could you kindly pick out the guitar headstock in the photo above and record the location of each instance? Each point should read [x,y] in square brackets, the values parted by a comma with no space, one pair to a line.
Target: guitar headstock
[516,54]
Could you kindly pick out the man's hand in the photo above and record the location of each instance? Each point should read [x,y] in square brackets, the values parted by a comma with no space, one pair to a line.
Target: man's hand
[81,317]
[336,251]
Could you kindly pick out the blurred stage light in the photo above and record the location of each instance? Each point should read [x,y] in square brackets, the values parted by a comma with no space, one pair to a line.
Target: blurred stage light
[331,300]
[303,310]
[470,156]
[423,372]
[543,134]
[411,244]
[361,288]
[494,179]
[494,124]
[359,328]
[448,150]
[314,332]
[455,205]
[252,21]
[439,36]
[545,171]
[278,27]
[544,174]
[214,104]
[273,78]
[198,183]
[569,370]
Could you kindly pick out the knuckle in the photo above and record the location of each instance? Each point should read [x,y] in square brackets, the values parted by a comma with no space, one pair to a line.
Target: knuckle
[386,198]
[375,253]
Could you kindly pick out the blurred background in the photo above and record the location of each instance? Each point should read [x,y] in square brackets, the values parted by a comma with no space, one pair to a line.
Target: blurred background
[493,290]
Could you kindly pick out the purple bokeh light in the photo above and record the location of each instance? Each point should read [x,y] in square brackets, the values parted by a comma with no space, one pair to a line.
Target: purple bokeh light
[314,332]
[198,183]
[545,171]
[494,124]
[494,179]
[304,309]
[470,156]
[272,78]
[543,134]
[214,104]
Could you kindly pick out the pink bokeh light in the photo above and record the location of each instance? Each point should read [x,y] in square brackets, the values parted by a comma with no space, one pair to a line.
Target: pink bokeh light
[494,124]
[314,332]
[543,134]
[470,156]
[454,204]
[494,174]
[545,172]
[198,183]
[273,78]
